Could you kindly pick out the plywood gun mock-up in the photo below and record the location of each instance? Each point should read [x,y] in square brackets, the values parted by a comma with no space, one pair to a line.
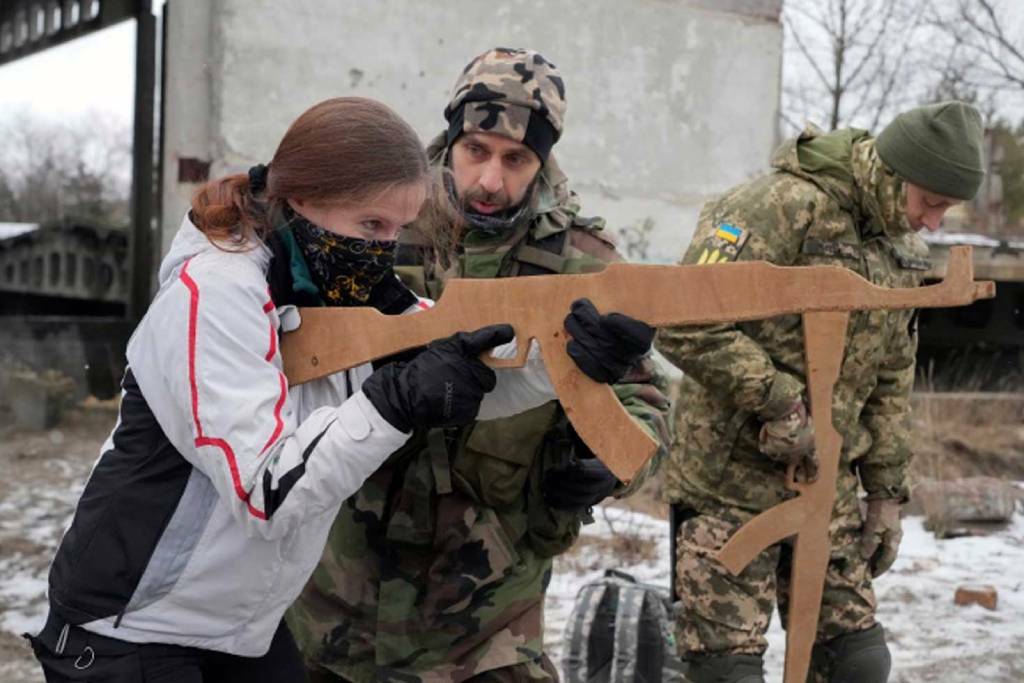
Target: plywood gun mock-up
[333,339]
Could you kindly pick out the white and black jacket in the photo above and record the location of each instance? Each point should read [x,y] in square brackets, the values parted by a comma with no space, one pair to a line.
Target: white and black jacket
[212,498]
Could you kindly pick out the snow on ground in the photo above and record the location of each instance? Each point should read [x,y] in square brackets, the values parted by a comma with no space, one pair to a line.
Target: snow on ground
[9,230]
[23,586]
[931,638]
[44,483]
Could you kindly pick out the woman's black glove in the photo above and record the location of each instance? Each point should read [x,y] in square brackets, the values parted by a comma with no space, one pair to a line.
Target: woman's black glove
[583,484]
[442,386]
[605,346]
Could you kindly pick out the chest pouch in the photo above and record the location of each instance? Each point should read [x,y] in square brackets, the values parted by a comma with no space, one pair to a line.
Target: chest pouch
[493,463]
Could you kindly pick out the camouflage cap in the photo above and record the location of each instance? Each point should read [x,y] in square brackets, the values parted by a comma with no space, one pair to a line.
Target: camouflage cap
[512,92]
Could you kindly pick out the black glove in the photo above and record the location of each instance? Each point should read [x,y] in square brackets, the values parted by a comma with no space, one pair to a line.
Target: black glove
[442,386]
[582,484]
[605,346]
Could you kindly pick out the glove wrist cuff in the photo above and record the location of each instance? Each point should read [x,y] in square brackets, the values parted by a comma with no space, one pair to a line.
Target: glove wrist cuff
[785,392]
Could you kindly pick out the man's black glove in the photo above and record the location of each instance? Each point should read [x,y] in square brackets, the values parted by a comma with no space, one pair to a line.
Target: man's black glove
[584,483]
[605,346]
[442,386]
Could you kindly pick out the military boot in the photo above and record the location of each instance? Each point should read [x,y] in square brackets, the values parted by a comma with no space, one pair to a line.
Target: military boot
[861,657]
[726,669]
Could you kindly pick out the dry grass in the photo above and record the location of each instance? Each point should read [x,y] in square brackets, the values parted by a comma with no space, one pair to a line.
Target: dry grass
[592,553]
[967,435]
[629,543]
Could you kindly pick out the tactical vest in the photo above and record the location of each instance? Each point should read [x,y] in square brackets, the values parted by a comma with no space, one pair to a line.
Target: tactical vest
[494,462]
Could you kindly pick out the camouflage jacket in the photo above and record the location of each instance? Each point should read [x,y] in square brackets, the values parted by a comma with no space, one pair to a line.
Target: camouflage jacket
[436,569]
[830,201]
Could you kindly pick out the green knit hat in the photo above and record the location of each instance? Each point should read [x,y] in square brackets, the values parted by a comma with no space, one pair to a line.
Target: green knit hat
[937,147]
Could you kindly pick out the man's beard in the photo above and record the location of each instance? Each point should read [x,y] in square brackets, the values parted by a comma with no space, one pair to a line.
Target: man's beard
[478,194]
[491,223]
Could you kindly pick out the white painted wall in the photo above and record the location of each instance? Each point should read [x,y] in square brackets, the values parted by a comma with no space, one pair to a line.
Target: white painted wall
[670,101]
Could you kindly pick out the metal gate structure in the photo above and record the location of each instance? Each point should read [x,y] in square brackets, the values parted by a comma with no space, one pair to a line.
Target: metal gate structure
[91,349]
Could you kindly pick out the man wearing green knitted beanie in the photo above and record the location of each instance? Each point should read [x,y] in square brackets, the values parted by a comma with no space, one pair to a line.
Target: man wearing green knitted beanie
[843,199]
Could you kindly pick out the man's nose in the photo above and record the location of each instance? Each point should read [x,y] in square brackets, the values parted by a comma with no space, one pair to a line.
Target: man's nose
[491,178]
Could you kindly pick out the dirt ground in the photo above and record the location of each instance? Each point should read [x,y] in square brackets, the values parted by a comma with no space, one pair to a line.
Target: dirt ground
[45,472]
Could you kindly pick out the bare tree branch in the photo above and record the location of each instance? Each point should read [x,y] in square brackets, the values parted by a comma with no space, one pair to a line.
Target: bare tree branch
[807,53]
[861,70]
[987,57]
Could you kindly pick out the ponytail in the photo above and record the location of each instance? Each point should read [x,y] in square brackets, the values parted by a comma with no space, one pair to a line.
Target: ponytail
[226,211]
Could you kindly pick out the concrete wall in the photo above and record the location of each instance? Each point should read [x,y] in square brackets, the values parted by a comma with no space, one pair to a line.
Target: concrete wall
[670,101]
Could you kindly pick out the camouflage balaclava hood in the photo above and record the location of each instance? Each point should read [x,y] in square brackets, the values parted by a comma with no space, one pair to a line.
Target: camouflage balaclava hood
[512,92]
[515,93]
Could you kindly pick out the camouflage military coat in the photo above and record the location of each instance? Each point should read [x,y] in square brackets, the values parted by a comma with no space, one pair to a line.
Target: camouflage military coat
[830,201]
[436,569]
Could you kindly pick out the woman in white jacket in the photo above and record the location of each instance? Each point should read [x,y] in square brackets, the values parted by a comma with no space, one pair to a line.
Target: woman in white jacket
[211,501]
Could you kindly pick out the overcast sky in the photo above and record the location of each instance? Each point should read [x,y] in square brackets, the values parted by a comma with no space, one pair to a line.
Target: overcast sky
[92,73]
[97,73]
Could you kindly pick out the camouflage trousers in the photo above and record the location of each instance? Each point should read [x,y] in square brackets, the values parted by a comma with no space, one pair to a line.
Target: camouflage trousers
[723,614]
[540,671]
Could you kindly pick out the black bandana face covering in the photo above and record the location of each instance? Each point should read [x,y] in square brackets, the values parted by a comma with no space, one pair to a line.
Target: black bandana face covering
[345,269]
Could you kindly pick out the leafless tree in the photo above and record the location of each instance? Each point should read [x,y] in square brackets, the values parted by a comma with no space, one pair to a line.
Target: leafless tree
[850,62]
[983,44]
[51,170]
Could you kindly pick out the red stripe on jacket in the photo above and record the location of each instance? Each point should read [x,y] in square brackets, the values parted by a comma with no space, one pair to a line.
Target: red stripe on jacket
[279,423]
[203,440]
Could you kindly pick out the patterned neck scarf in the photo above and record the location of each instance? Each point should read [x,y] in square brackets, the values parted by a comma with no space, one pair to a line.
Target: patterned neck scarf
[345,269]
[883,194]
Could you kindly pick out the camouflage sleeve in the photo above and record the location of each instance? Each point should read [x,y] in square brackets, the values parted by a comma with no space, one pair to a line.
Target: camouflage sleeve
[643,393]
[758,224]
[886,416]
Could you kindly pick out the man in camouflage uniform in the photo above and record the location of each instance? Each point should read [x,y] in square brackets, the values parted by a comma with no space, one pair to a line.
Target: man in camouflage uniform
[840,199]
[436,569]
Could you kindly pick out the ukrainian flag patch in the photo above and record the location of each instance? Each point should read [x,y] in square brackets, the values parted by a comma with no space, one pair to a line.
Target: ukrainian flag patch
[729,233]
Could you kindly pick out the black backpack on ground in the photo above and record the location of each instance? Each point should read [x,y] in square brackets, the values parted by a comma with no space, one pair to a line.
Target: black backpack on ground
[620,631]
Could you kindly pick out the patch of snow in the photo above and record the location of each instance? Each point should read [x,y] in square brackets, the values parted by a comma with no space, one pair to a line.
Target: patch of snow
[931,638]
[970,239]
[9,230]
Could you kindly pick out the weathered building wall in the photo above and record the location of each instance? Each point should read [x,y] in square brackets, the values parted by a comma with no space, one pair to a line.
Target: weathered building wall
[670,101]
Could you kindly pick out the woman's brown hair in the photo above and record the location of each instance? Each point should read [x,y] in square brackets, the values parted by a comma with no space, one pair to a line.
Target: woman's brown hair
[342,150]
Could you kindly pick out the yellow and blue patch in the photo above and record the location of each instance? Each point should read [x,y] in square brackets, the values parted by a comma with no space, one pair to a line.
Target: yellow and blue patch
[723,245]
[729,233]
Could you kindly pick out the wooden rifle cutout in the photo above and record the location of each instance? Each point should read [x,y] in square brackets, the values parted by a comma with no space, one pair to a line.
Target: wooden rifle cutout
[661,296]
[333,339]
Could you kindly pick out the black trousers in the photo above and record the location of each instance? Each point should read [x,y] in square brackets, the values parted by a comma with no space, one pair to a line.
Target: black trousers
[68,653]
